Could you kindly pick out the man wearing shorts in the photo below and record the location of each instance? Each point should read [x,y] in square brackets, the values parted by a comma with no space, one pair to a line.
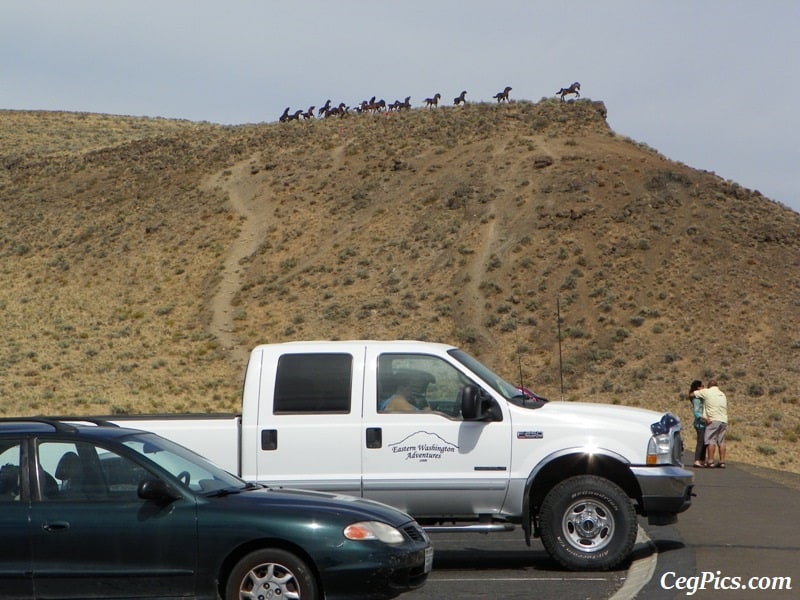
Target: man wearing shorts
[715,414]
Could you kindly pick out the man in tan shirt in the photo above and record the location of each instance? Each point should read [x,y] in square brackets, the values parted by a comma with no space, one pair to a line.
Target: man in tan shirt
[715,414]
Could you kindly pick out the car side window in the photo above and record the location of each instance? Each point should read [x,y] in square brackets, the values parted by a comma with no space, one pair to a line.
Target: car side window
[10,471]
[84,472]
[418,382]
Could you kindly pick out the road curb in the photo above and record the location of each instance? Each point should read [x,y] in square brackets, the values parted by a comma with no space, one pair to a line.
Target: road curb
[641,570]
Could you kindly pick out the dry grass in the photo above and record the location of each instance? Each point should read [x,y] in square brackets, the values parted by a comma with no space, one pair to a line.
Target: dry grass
[463,225]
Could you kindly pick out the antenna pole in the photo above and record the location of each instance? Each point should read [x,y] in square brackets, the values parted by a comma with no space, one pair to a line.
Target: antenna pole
[519,362]
[560,358]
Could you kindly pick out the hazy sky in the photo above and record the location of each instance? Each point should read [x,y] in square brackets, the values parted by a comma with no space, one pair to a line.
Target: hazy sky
[710,83]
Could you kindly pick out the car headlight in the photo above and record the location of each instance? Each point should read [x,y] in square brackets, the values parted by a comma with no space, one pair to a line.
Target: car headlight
[373,530]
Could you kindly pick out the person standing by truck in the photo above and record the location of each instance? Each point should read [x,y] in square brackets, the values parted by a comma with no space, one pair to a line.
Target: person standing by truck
[699,424]
[715,414]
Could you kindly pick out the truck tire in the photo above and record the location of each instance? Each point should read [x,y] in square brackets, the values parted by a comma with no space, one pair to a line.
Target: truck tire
[588,523]
[271,573]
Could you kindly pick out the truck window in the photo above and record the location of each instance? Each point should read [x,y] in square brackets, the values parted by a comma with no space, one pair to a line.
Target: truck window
[313,383]
[419,382]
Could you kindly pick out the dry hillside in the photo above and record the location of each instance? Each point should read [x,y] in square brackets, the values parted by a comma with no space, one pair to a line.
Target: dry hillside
[142,258]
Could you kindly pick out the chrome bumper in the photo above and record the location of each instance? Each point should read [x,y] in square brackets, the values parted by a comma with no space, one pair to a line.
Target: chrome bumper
[666,492]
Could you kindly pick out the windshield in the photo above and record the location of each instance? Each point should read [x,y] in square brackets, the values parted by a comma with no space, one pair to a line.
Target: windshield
[192,470]
[497,383]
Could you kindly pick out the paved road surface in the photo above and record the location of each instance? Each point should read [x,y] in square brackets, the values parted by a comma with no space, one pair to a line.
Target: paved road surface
[744,523]
[501,566]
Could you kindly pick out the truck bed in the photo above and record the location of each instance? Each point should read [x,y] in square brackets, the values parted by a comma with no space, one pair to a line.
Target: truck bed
[214,436]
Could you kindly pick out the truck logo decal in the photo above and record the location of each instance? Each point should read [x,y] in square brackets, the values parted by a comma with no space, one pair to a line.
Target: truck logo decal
[530,435]
[423,446]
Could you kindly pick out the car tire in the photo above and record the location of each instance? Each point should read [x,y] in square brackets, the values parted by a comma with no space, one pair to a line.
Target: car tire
[588,523]
[271,573]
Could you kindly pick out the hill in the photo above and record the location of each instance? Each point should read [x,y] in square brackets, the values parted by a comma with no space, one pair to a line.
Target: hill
[142,258]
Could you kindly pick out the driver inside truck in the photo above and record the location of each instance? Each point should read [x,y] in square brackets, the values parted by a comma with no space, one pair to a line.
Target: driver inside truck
[410,388]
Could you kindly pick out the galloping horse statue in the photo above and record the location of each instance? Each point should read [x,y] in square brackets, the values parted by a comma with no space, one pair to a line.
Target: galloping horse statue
[502,96]
[573,89]
[431,102]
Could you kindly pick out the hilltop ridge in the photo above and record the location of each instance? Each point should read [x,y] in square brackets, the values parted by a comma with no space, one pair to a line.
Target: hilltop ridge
[142,258]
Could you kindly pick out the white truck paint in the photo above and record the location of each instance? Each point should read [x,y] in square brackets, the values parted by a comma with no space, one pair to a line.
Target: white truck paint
[473,455]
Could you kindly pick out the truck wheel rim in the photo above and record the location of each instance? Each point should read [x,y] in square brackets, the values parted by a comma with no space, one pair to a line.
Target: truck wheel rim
[588,525]
[269,581]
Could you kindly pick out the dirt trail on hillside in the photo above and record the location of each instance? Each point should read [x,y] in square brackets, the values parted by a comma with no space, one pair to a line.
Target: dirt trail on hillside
[473,308]
[243,195]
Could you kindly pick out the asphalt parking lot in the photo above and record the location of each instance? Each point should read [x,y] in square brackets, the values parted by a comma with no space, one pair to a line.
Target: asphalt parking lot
[740,539]
[500,565]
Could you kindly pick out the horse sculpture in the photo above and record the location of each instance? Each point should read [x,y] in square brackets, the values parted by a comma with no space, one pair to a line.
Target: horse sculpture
[324,108]
[573,89]
[501,96]
[336,111]
[461,98]
[398,105]
[431,102]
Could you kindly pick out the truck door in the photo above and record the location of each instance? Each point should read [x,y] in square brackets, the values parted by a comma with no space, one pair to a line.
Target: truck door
[420,455]
[309,418]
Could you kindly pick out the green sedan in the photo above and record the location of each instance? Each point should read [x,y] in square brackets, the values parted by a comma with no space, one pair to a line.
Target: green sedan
[92,510]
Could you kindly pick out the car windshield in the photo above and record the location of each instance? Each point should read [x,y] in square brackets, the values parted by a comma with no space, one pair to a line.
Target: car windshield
[497,383]
[192,470]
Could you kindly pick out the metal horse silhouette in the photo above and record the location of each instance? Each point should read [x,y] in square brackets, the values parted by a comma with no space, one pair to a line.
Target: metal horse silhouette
[573,89]
[502,96]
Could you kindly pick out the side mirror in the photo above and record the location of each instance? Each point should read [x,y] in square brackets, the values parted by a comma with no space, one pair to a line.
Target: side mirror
[157,490]
[470,403]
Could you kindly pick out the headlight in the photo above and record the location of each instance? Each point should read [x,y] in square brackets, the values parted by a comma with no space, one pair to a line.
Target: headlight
[373,530]
[659,449]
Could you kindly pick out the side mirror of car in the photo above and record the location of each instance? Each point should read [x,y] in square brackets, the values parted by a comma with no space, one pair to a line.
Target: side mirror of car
[157,490]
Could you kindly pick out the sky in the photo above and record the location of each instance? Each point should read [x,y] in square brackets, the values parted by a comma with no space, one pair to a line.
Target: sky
[712,84]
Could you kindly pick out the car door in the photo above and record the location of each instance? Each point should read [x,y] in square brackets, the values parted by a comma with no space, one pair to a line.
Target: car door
[427,458]
[309,418]
[93,537]
[16,570]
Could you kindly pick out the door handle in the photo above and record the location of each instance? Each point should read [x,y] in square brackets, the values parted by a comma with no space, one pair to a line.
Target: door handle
[56,526]
[269,439]
[374,437]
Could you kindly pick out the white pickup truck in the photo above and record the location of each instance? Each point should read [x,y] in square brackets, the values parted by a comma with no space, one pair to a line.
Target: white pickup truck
[427,428]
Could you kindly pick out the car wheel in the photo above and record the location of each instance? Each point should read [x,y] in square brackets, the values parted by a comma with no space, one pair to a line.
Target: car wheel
[271,573]
[588,523]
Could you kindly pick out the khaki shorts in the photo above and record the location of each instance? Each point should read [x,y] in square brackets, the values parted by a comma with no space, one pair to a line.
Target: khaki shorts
[715,433]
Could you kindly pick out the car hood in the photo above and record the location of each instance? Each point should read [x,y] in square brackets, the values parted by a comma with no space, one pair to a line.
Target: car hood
[350,507]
